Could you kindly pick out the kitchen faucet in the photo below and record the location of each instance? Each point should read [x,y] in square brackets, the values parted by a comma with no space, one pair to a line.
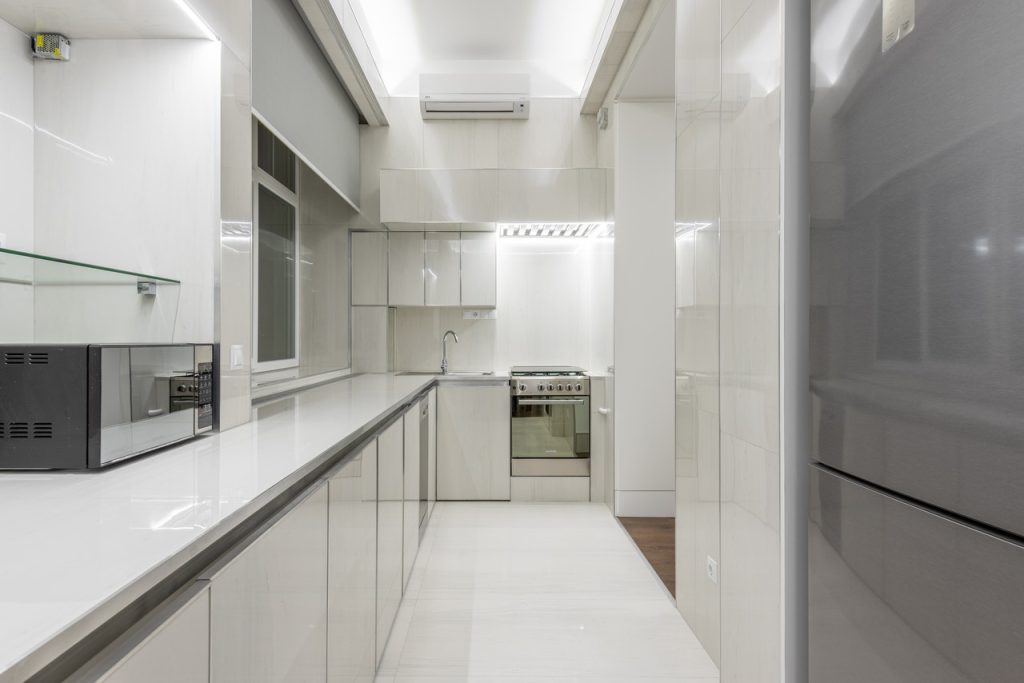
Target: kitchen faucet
[444,350]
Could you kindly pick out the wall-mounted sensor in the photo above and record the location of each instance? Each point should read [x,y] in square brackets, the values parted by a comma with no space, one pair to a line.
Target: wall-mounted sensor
[51,46]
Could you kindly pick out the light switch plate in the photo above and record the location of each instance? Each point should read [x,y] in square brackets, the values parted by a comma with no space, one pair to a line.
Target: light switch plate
[712,569]
[237,357]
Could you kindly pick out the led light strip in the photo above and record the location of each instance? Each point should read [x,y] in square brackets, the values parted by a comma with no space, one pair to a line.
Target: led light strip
[556,229]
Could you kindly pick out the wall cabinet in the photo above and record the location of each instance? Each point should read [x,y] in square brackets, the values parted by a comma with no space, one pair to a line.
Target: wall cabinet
[352,569]
[473,441]
[369,269]
[390,495]
[442,258]
[171,645]
[405,269]
[425,269]
[268,602]
[480,269]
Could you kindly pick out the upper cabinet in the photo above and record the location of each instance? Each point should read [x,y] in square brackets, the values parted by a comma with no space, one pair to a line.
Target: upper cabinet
[441,268]
[480,269]
[424,269]
[535,195]
[369,269]
[405,269]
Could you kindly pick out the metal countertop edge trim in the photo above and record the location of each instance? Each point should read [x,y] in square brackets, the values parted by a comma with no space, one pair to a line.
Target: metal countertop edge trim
[70,649]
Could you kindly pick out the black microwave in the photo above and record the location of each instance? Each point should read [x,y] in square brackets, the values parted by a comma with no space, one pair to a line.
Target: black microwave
[87,406]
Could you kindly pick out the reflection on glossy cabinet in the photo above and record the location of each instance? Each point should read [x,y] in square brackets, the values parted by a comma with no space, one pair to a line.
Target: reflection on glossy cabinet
[431,452]
[352,569]
[369,269]
[411,504]
[405,269]
[442,258]
[390,495]
[268,603]
[473,441]
[170,645]
[479,269]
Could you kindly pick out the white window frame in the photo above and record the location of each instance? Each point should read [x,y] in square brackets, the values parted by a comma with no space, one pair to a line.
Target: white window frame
[263,179]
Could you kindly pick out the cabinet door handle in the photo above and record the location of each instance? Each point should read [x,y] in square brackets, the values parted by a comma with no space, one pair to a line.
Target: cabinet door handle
[153,412]
[603,411]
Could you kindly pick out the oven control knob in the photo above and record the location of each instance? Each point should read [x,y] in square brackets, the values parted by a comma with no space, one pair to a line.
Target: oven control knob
[551,387]
[579,387]
[182,388]
[522,387]
[559,387]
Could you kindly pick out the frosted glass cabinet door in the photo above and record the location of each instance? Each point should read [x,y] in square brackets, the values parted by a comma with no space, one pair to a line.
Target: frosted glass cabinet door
[170,645]
[474,441]
[411,505]
[390,495]
[479,269]
[352,569]
[369,269]
[405,269]
[268,603]
[442,260]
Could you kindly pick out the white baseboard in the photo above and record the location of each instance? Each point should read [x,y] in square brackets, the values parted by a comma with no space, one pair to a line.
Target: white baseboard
[645,503]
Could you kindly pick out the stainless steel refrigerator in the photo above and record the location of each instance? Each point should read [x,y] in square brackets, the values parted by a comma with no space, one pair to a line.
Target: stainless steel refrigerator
[916,534]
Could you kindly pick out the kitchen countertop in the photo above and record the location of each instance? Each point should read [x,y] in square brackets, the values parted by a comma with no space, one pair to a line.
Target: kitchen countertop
[78,546]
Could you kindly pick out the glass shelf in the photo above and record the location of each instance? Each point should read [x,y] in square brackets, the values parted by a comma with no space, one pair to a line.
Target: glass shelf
[54,300]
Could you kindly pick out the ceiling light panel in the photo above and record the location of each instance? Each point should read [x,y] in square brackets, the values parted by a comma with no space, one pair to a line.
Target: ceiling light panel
[580,230]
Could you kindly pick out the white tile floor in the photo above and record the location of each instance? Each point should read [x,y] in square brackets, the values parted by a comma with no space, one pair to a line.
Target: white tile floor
[547,592]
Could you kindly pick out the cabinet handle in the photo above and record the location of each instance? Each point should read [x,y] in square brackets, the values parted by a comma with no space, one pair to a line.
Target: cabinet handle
[153,412]
[603,411]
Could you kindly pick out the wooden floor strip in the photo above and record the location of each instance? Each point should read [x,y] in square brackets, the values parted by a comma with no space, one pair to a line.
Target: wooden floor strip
[656,538]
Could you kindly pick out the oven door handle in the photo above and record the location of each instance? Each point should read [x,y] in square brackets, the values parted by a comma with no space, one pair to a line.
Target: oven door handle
[550,401]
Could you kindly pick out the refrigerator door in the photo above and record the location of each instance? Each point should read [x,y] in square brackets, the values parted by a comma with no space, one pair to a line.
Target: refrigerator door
[901,595]
[917,248]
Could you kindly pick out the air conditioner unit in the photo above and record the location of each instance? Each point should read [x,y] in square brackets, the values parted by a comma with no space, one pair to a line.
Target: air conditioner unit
[474,96]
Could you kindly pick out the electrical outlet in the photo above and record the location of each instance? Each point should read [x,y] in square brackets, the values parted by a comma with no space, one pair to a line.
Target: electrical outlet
[712,569]
[487,314]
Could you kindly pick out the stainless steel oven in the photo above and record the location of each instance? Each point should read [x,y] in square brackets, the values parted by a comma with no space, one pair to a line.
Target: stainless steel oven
[550,422]
[89,406]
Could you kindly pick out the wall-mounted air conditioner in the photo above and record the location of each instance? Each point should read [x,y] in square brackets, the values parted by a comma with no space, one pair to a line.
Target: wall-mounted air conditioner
[474,96]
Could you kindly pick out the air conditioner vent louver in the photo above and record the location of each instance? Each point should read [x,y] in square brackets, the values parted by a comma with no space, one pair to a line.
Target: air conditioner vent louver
[42,430]
[14,358]
[26,430]
[30,358]
[17,430]
[38,358]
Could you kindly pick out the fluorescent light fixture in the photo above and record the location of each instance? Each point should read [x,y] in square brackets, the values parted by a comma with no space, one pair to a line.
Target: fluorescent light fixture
[194,17]
[555,229]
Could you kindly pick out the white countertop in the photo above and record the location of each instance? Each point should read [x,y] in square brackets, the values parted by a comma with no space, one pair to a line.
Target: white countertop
[70,542]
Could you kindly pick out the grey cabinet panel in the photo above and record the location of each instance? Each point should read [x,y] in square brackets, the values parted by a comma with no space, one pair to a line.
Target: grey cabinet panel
[411,493]
[474,458]
[432,452]
[898,593]
[352,569]
[268,606]
[170,645]
[390,498]
[369,269]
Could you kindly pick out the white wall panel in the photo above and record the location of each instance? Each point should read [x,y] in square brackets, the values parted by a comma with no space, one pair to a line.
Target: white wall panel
[644,306]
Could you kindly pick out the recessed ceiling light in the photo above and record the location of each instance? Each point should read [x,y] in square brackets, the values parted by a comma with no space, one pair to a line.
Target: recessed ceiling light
[555,229]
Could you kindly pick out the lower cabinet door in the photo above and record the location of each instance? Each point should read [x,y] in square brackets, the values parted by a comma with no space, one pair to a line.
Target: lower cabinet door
[268,602]
[474,441]
[352,569]
[411,504]
[432,452]
[390,496]
[170,645]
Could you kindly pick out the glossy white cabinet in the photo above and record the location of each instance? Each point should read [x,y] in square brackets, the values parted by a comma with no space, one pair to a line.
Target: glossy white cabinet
[390,496]
[369,269]
[442,278]
[352,569]
[405,269]
[431,451]
[411,504]
[473,441]
[268,602]
[479,269]
[170,645]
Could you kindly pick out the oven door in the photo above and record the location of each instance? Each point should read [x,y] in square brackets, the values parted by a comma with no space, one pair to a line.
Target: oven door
[550,436]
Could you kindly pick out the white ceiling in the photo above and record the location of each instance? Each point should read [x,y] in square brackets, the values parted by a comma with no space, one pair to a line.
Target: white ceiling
[653,74]
[101,18]
[553,41]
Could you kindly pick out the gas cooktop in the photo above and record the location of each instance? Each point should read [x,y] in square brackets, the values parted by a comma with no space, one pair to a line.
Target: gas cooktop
[547,371]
